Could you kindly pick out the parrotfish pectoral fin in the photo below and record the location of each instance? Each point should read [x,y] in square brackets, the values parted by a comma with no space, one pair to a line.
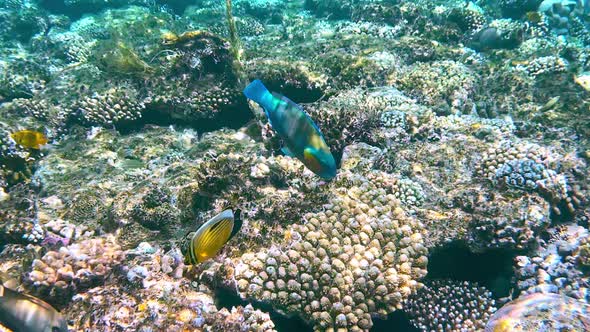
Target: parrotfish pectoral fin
[311,159]
[287,152]
[257,92]
[325,168]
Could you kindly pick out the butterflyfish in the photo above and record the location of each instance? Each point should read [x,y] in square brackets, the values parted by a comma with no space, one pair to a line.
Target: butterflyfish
[301,136]
[206,242]
[29,139]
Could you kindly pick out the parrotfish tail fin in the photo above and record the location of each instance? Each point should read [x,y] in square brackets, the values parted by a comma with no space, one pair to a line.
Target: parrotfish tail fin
[237,223]
[257,92]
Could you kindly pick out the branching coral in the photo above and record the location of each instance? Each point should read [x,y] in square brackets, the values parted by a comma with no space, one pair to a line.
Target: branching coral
[111,107]
[446,305]
[58,275]
[361,256]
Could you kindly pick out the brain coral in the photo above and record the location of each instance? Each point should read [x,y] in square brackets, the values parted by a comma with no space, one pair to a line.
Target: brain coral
[361,256]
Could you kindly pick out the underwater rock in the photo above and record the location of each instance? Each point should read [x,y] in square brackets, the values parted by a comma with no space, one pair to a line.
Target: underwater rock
[538,312]
[340,9]
[18,222]
[15,260]
[297,80]
[155,210]
[268,10]
[562,15]
[21,78]
[21,20]
[507,223]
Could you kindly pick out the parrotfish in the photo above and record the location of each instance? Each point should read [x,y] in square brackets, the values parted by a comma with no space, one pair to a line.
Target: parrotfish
[301,136]
[206,242]
[24,313]
[29,139]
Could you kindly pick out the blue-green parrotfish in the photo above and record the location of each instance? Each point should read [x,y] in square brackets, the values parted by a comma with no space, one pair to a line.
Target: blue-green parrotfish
[301,136]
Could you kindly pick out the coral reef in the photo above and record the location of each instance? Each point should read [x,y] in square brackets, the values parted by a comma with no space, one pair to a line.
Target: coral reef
[443,305]
[112,107]
[508,223]
[453,123]
[560,14]
[445,82]
[554,268]
[529,167]
[19,224]
[154,294]
[58,275]
[155,210]
[332,274]
[544,65]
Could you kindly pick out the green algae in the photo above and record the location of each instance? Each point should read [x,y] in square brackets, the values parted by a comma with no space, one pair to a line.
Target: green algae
[117,57]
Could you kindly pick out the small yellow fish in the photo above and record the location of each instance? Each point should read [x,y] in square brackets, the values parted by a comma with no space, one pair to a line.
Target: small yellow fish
[206,242]
[534,17]
[583,80]
[29,139]
[20,312]
[519,62]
